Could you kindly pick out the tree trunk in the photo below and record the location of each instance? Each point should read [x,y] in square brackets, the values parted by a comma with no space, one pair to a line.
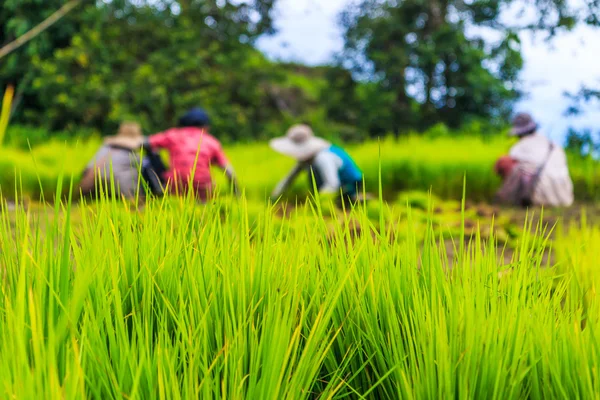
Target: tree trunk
[402,106]
[35,31]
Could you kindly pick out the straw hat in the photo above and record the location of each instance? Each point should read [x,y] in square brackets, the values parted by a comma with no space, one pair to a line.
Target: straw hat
[523,123]
[300,143]
[129,136]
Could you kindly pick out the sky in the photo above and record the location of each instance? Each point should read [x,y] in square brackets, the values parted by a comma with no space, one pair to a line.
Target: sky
[308,32]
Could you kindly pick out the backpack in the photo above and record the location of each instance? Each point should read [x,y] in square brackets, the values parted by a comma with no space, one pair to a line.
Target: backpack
[153,170]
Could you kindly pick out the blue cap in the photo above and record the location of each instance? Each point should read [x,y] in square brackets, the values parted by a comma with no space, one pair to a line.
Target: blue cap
[195,117]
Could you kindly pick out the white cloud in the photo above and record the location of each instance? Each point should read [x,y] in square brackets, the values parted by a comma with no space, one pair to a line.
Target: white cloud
[307,31]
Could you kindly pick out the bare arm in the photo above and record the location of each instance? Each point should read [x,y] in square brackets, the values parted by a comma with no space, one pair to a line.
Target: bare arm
[218,158]
[229,171]
[92,170]
[287,181]
[87,183]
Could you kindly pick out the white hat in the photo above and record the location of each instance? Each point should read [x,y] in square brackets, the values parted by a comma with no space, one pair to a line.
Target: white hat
[300,143]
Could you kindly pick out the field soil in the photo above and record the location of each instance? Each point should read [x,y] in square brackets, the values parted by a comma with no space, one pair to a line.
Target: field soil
[480,217]
[551,220]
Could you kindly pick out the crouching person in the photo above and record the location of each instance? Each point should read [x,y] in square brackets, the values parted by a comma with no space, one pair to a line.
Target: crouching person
[115,168]
[192,150]
[333,170]
[536,171]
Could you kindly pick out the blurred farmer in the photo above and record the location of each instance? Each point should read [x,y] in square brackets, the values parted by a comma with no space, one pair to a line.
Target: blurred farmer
[192,152]
[115,167]
[535,172]
[333,170]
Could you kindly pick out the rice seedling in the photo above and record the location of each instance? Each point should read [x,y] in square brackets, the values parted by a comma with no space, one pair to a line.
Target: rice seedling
[229,300]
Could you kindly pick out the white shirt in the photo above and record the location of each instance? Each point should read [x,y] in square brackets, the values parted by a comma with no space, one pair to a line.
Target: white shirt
[328,165]
[554,187]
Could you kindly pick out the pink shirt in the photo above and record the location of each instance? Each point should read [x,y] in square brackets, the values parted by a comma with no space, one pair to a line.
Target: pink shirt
[190,148]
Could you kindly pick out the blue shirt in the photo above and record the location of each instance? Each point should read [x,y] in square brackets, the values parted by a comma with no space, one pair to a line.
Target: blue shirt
[334,169]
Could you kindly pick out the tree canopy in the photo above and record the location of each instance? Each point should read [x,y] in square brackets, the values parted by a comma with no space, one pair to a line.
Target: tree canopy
[422,55]
[143,60]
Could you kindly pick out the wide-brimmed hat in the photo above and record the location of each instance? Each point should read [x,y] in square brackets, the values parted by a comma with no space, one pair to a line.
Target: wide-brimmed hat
[523,124]
[300,143]
[129,136]
[196,117]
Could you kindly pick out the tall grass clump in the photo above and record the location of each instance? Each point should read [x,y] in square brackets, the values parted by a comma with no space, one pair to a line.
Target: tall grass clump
[178,300]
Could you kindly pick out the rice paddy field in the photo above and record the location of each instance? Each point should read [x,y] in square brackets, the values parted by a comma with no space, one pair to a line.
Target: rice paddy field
[425,292]
[439,164]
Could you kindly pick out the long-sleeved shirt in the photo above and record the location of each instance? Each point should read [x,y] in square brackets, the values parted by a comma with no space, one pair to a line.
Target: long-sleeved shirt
[122,164]
[190,150]
[553,187]
[333,171]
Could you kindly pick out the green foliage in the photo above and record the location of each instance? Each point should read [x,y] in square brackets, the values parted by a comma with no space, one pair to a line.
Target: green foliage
[150,61]
[37,174]
[168,63]
[19,16]
[584,142]
[26,137]
[5,108]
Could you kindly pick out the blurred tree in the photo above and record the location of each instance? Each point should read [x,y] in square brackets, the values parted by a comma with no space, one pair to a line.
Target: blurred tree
[150,60]
[19,16]
[584,143]
[588,96]
[419,52]
[340,98]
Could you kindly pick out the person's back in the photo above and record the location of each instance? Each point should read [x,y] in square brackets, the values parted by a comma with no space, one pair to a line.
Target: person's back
[122,164]
[555,186]
[116,165]
[536,154]
[349,172]
[192,151]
